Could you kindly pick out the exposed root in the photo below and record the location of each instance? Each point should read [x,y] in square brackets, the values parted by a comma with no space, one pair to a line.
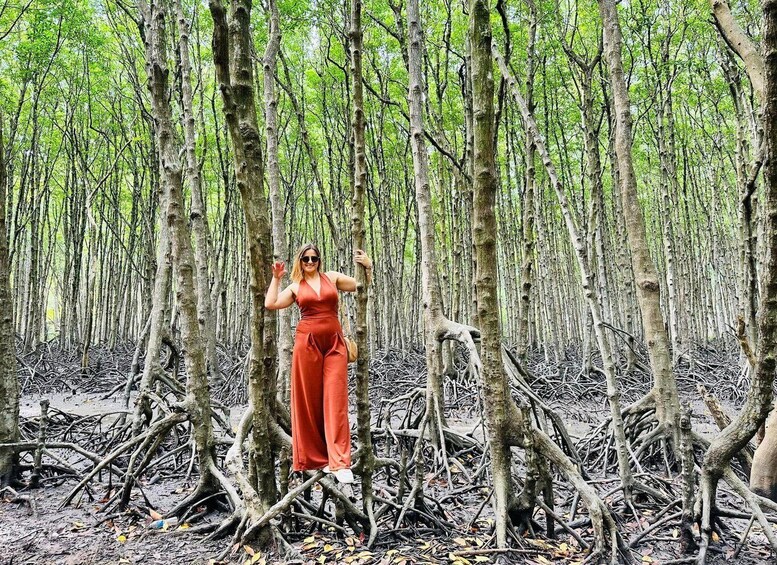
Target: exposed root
[159,428]
[11,496]
[602,522]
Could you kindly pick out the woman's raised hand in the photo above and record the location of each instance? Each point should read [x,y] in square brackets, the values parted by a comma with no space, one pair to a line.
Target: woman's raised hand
[278,269]
[361,258]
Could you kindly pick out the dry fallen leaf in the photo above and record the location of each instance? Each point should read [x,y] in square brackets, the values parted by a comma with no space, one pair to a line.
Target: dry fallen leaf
[538,543]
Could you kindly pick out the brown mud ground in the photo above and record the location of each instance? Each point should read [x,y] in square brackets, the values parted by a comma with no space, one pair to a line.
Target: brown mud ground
[35,530]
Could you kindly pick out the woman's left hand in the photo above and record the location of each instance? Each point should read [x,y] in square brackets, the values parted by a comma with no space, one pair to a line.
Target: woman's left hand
[361,258]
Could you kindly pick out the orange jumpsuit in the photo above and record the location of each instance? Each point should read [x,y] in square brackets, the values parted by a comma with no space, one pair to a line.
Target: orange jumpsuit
[320,432]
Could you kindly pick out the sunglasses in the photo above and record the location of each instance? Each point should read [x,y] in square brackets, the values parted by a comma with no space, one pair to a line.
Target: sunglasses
[310,259]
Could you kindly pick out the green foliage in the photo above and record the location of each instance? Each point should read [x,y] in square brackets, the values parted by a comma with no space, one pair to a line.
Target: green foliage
[77,68]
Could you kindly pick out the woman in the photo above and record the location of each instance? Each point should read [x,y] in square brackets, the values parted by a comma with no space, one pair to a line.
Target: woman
[320,433]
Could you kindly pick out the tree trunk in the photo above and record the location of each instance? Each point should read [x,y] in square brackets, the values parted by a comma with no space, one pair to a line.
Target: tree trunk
[432,301]
[747,279]
[527,206]
[9,381]
[759,396]
[280,245]
[437,326]
[763,478]
[202,248]
[741,44]
[232,49]
[589,288]
[197,401]
[496,396]
[664,392]
[367,459]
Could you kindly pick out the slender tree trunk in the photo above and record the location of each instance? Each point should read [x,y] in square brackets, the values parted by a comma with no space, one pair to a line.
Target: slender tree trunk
[759,396]
[9,381]
[740,43]
[280,245]
[232,48]
[669,187]
[763,478]
[495,394]
[589,288]
[367,460]
[664,392]
[202,247]
[197,400]
[436,326]
[747,275]
[527,206]
[432,301]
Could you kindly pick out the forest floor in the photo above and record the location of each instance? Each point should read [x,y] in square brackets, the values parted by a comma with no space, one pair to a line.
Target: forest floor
[35,529]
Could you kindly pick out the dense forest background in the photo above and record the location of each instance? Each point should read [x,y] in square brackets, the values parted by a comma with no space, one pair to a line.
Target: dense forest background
[84,184]
[571,209]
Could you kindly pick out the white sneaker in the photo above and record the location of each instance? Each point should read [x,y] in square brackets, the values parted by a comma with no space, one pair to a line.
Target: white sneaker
[344,475]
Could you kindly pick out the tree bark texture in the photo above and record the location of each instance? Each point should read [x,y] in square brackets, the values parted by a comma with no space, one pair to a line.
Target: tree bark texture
[763,478]
[496,397]
[665,399]
[232,50]
[193,349]
[432,301]
[199,221]
[277,203]
[527,205]
[367,459]
[9,381]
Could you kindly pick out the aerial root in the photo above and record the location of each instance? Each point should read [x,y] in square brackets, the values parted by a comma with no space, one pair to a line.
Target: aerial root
[161,427]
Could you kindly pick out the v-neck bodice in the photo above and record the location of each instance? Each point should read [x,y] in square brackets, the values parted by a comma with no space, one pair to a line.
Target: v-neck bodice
[321,305]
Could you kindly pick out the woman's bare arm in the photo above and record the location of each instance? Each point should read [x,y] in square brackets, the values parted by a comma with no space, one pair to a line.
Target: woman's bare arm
[278,301]
[341,281]
[274,300]
[346,283]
